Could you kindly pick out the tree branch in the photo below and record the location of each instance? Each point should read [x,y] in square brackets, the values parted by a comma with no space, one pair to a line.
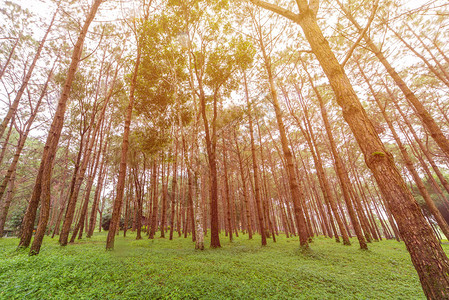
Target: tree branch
[277,9]
[362,34]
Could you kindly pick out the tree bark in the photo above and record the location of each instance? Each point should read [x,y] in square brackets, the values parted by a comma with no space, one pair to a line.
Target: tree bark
[426,253]
[165,176]
[6,204]
[259,208]
[117,206]
[174,185]
[15,104]
[63,238]
[296,193]
[211,143]
[244,190]
[227,192]
[154,213]
[42,183]
[408,162]
[426,118]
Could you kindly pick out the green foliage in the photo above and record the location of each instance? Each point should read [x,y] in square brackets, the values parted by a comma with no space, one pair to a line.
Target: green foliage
[148,140]
[161,67]
[163,269]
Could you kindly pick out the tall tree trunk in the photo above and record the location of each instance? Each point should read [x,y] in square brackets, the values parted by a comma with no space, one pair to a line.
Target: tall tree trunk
[117,206]
[408,162]
[295,190]
[6,204]
[42,184]
[426,253]
[211,143]
[227,192]
[174,185]
[98,191]
[73,198]
[15,104]
[259,208]
[339,166]
[92,172]
[138,186]
[244,190]
[324,183]
[268,204]
[99,187]
[198,228]
[154,213]
[426,118]
[165,176]
[62,196]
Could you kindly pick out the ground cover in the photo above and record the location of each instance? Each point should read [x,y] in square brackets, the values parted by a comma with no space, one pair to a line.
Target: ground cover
[150,269]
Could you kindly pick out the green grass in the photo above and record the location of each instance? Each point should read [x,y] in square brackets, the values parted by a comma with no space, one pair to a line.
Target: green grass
[163,269]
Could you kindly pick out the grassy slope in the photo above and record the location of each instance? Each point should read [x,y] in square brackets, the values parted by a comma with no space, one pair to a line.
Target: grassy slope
[240,270]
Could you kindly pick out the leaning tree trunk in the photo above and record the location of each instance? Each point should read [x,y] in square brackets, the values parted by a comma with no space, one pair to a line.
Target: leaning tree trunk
[443,77]
[4,206]
[23,137]
[426,253]
[42,184]
[13,108]
[11,53]
[408,162]
[423,148]
[426,118]
[295,190]
[6,140]
[71,205]
[339,167]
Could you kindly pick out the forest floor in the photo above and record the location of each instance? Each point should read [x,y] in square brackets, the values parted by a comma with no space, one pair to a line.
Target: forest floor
[164,269]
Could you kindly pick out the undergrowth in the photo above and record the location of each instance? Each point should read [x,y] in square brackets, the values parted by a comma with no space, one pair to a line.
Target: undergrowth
[163,269]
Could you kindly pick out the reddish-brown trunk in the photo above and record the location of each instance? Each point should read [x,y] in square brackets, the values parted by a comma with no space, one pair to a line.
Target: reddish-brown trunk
[258,203]
[15,104]
[117,206]
[42,184]
[226,192]
[246,213]
[426,117]
[155,201]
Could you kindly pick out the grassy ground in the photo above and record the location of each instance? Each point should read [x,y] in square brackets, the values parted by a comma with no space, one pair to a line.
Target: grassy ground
[163,269]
